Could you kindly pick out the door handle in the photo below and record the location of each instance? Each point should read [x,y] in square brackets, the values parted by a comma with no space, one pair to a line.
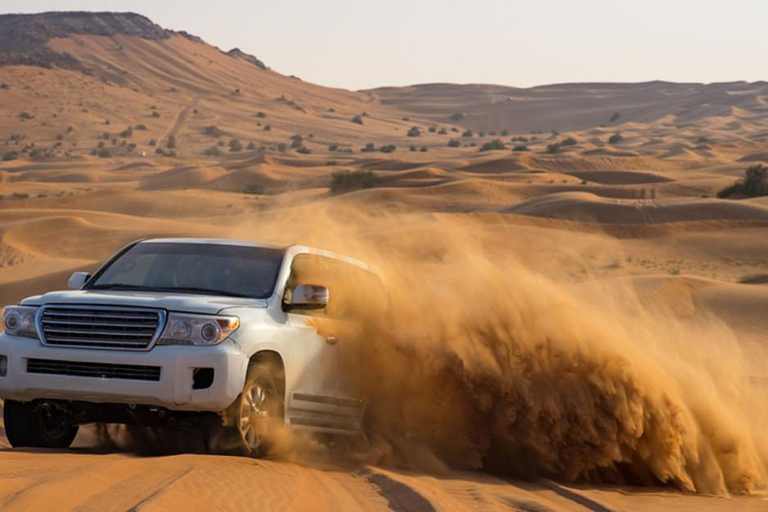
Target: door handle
[331,340]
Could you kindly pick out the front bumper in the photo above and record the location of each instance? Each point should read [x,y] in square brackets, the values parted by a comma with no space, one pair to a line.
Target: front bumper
[174,389]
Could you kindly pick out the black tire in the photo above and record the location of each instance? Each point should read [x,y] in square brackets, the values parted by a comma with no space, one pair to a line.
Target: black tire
[243,430]
[28,425]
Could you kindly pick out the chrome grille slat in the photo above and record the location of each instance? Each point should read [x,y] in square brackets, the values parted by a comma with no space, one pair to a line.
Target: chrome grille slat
[104,327]
[96,370]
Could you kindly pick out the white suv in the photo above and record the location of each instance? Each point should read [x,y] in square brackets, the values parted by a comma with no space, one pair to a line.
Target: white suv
[181,333]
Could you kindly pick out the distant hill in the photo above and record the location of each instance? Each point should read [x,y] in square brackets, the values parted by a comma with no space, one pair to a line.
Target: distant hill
[117,84]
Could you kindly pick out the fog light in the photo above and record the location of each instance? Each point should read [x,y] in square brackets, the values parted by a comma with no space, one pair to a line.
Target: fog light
[3,366]
[202,378]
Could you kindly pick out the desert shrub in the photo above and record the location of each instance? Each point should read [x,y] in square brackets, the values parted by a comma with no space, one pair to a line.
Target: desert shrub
[454,143]
[282,147]
[235,145]
[357,119]
[141,127]
[36,154]
[304,150]
[701,140]
[155,114]
[297,141]
[60,136]
[492,145]
[454,129]
[126,133]
[754,183]
[251,146]
[414,132]
[152,142]
[331,162]
[171,144]
[614,117]
[389,148]
[70,129]
[19,195]
[555,133]
[432,129]
[261,115]
[104,153]
[160,151]
[368,148]
[457,116]
[423,149]
[348,181]
[100,144]
[10,155]
[413,148]
[26,115]
[442,131]
[212,131]
[504,133]
[268,128]
[570,141]
[520,148]
[333,147]
[481,134]
[467,134]
[615,138]
[4,86]
[407,119]
[212,151]
[254,188]
[554,148]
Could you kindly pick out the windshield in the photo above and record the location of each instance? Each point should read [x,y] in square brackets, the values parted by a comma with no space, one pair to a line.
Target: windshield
[216,269]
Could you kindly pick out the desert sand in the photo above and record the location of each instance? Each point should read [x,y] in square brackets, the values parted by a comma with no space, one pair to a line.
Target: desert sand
[596,336]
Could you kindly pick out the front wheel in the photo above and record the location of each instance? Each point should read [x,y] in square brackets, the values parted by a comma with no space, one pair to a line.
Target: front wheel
[250,421]
[37,425]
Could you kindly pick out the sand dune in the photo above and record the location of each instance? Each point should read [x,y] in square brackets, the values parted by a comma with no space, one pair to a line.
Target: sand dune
[513,235]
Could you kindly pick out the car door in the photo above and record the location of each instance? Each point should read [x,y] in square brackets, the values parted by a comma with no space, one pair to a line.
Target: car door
[323,396]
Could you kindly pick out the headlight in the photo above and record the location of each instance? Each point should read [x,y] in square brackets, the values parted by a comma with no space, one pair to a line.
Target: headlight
[197,329]
[20,321]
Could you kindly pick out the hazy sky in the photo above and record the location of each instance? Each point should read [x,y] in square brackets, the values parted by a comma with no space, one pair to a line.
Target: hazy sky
[358,43]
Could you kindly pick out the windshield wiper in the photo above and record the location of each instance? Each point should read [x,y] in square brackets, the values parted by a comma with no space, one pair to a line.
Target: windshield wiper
[117,286]
[206,291]
[185,289]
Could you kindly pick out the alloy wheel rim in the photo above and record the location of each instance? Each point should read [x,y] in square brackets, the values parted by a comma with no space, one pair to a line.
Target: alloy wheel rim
[253,416]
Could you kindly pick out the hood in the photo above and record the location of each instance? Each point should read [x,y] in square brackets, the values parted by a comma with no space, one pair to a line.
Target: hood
[187,303]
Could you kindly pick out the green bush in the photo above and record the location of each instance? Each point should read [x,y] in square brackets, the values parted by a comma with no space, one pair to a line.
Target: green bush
[389,148]
[369,148]
[348,181]
[615,117]
[213,151]
[520,148]
[457,116]
[442,131]
[553,148]
[261,115]
[615,138]
[357,119]
[492,145]
[423,149]
[235,145]
[254,188]
[126,133]
[212,131]
[10,155]
[155,114]
[268,128]
[141,127]
[333,147]
[413,148]
[754,183]
[454,143]
[570,141]
[414,132]
[304,150]
[432,129]
[171,144]
[467,134]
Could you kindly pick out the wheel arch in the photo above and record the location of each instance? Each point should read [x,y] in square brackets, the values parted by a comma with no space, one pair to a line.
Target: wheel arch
[273,360]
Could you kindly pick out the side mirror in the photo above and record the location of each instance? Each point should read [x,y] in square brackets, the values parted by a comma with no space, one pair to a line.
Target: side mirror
[77,280]
[308,296]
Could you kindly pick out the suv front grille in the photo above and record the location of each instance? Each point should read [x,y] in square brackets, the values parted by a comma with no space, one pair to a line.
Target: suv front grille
[100,326]
[97,370]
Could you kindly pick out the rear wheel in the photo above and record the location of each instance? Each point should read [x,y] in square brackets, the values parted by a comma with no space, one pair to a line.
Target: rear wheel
[251,420]
[37,425]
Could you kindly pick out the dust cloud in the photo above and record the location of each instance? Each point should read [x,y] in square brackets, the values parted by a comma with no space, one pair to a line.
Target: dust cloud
[479,361]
